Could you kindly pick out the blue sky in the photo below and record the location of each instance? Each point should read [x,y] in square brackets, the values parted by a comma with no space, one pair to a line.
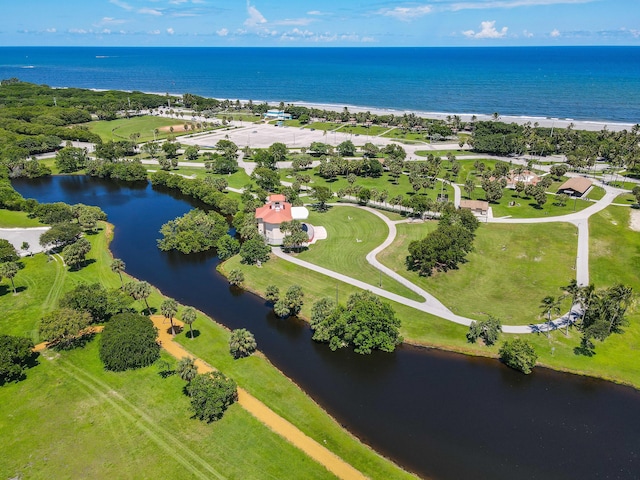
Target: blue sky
[320,23]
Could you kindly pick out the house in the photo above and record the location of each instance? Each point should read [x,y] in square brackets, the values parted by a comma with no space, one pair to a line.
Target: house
[478,207]
[575,186]
[277,115]
[273,213]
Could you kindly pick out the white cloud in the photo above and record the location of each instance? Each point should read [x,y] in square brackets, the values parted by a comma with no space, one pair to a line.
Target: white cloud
[51,30]
[299,22]
[150,11]
[481,5]
[488,30]
[223,32]
[78,31]
[527,34]
[555,33]
[255,17]
[154,32]
[315,12]
[121,4]
[170,31]
[110,21]
[406,13]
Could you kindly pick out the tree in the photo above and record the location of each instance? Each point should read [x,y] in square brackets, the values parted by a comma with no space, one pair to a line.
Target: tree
[60,235]
[170,149]
[347,149]
[236,277]
[272,293]
[636,193]
[169,308]
[189,316]
[442,249]
[211,394]
[71,159]
[366,323]
[227,247]
[9,270]
[242,343]
[550,305]
[469,187]
[518,354]
[118,266]
[293,298]
[489,330]
[139,291]
[278,152]
[281,308]
[16,354]
[195,231]
[321,310]
[96,300]
[295,237]
[187,369]
[151,149]
[75,254]
[191,152]
[254,250]
[128,342]
[322,195]
[228,149]
[7,252]
[519,187]
[63,327]
[266,178]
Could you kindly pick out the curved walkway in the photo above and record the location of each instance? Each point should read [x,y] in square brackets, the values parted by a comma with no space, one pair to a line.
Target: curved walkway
[264,414]
[432,305]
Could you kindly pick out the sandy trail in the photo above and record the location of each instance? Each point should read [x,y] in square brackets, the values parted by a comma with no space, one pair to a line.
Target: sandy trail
[255,407]
[634,220]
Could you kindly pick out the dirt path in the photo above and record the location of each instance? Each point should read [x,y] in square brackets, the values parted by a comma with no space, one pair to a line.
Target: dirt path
[255,407]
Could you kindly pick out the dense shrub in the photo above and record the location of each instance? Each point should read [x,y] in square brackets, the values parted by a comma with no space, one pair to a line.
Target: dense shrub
[15,355]
[518,354]
[128,342]
[211,394]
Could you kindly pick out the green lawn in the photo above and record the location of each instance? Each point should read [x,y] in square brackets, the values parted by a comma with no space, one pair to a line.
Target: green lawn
[122,128]
[596,193]
[384,182]
[413,137]
[327,126]
[242,117]
[511,269]
[525,207]
[13,219]
[351,234]
[73,419]
[441,153]
[136,411]
[626,198]
[361,130]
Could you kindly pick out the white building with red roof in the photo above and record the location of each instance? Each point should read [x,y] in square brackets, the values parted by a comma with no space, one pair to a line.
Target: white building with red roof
[273,213]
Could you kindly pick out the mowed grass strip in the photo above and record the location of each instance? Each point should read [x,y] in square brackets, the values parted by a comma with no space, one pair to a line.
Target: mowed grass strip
[129,425]
[351,234]
[510,270]
[122,128]
[13,219]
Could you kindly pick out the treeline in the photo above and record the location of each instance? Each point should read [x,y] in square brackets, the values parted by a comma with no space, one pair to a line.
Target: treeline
[582,148]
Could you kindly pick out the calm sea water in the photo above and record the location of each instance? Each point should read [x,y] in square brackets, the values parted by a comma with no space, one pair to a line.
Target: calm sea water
[581,83]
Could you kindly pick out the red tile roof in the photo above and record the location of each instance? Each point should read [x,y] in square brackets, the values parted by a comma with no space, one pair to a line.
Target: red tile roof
[270,214]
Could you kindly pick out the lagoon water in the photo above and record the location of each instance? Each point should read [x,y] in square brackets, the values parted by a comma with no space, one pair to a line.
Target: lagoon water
[441,415]
[581,83]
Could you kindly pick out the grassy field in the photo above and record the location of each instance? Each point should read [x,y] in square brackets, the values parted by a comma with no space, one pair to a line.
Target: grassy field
[441,153]
[626,198]
[352,234]
[527,207]
[122,424]
[596,193]
[129,425]
[384,182]
[361,130]
[122,128]
[13,219]
[534,261]
[236,180]
[414,137]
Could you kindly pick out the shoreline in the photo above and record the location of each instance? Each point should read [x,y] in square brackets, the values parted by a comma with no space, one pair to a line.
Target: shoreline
[521,119]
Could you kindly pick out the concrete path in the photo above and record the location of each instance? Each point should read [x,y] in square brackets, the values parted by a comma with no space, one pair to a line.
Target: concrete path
[264,414]
[16,236]
[432,305]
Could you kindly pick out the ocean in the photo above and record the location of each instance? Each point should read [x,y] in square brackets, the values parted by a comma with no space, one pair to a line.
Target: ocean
[579,83]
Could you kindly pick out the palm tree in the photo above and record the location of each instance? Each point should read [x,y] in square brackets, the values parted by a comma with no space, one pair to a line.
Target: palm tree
[140,291]
[187,369]
[242,343]
[118,266]
[169,308]
[469,186]
[549,305]
[586,294]
[188,317]
[572,290]
[619,296]
[9,270]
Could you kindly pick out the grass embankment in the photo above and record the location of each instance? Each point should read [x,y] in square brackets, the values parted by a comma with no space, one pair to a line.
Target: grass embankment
[626,199]
[510,270]
[13,219]
[351,234]
[121,424]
